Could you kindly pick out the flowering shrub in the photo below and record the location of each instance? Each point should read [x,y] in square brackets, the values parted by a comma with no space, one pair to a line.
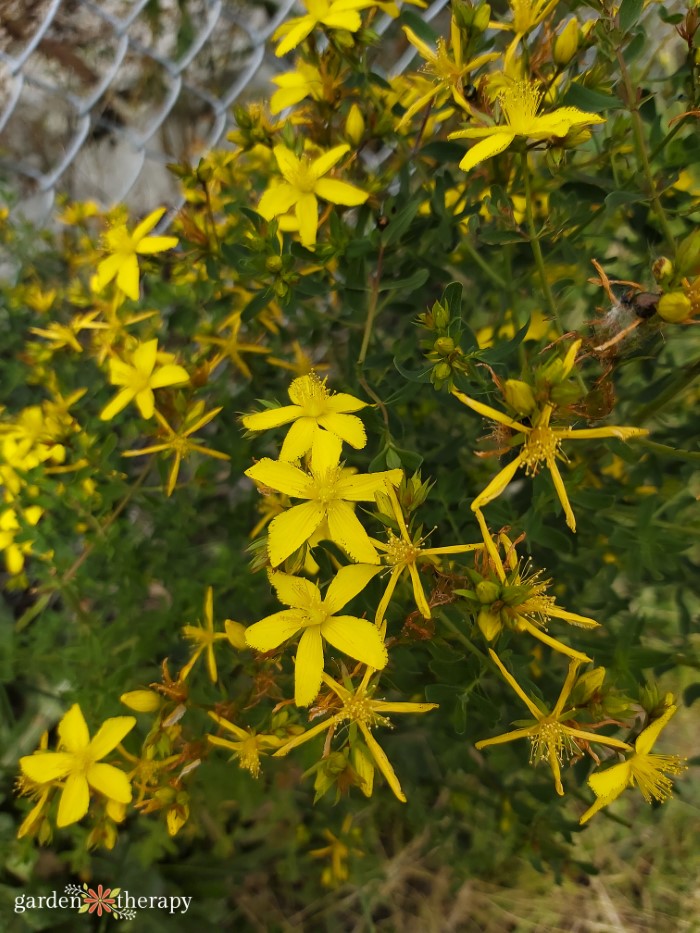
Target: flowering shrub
[411,340]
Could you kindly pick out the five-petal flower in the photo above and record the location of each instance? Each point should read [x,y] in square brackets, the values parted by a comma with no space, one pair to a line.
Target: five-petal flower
[138,380]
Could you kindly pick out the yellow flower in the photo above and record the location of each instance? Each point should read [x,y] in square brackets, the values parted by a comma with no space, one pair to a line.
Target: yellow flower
[447,69]
[247,746]
[180,442]
[642,768]
[124,247]
[77,763]
[551,737]
[9,528]
[403,553]
[540,443]
[232,346]
[337,852]
[204,637]
[139,378]
[527,14]
[315,615]
[66,335]
[520,601]
[303,182]
[314,410]
[305,80]
[519,105]
[329,488]
[333,14]
[359,707]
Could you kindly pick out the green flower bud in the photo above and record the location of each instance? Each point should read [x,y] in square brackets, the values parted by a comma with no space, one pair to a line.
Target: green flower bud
[566,44]
[273,263]
[441,316]
[688,255]
[488,592]
[482,17]
[587,686]
[519,396]
[444,346]
[442,371]
[674,307]
[489,623]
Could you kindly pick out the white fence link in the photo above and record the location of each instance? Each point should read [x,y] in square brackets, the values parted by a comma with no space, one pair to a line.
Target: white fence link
[96,97]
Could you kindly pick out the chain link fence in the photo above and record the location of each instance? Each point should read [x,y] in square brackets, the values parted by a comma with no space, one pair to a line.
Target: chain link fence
[97,97]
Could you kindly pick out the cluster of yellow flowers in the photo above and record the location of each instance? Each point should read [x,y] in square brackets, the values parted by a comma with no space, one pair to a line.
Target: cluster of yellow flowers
[309,493]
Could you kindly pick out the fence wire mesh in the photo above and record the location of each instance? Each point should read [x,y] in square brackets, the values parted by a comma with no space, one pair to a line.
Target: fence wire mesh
[97,97]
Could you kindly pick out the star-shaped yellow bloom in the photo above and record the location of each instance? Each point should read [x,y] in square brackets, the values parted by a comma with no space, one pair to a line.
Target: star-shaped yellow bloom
[77,764]
[519,105]
[448,69]
[540,444]
[316,617]
[518,600]
[551,734]
[333,14]
[359,707]
[314,409]
[403,553]
[180,442]
[527,14]
[204,638]
[232,345]
[329,488]
[139,378]
[247,745]
[642,768]
[303,184]
[124,247]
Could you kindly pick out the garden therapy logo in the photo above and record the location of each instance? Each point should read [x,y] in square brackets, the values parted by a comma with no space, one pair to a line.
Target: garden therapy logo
[101,901]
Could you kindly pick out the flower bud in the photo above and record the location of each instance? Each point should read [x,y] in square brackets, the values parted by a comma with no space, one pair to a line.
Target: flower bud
[273,263]
[688,255]
[587,686]
[519,396]
[141,701]
[235,632]
[482,17]
[441,316]
[566,43]
[355,125]
[442,371]
[444,346]
[674,307]
[487,592]
[663,270]
[489,623]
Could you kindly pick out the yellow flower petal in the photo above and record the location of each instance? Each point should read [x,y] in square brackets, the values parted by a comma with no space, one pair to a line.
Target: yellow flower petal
[562,494]
[106,270]
[363,487]
[282,477]
[293,528]
[146,403]
[110,781]
[309,666]
[270,632]
[610,783]
[169,375]
[324,163]
[144,357]
[156,244]
[647,737]
[496,487]
[346,530]
[382,762]
[118,403]
[301,29]
[347,427]
[109,735]
[297,592]
[299,439]
[342,403]
[147,224]
[42,767]
[273,418]
[277,200]
[128,276]
[340,192]
[306,212]
[75,800]
[347,583]
[235,632]
[486,149]
[358,638]
[73,731]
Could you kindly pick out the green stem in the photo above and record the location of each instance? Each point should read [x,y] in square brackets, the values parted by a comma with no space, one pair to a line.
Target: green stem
[462,638]
[683,381]
[643,156]
[372,307]
[535,245]
[483,265]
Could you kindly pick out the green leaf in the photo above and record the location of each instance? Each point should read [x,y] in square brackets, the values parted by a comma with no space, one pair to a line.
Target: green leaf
[590,101]
[629,13]
[618,198]
[401,221]
[256,304]
[691,694]
[419,26]
[410,282]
